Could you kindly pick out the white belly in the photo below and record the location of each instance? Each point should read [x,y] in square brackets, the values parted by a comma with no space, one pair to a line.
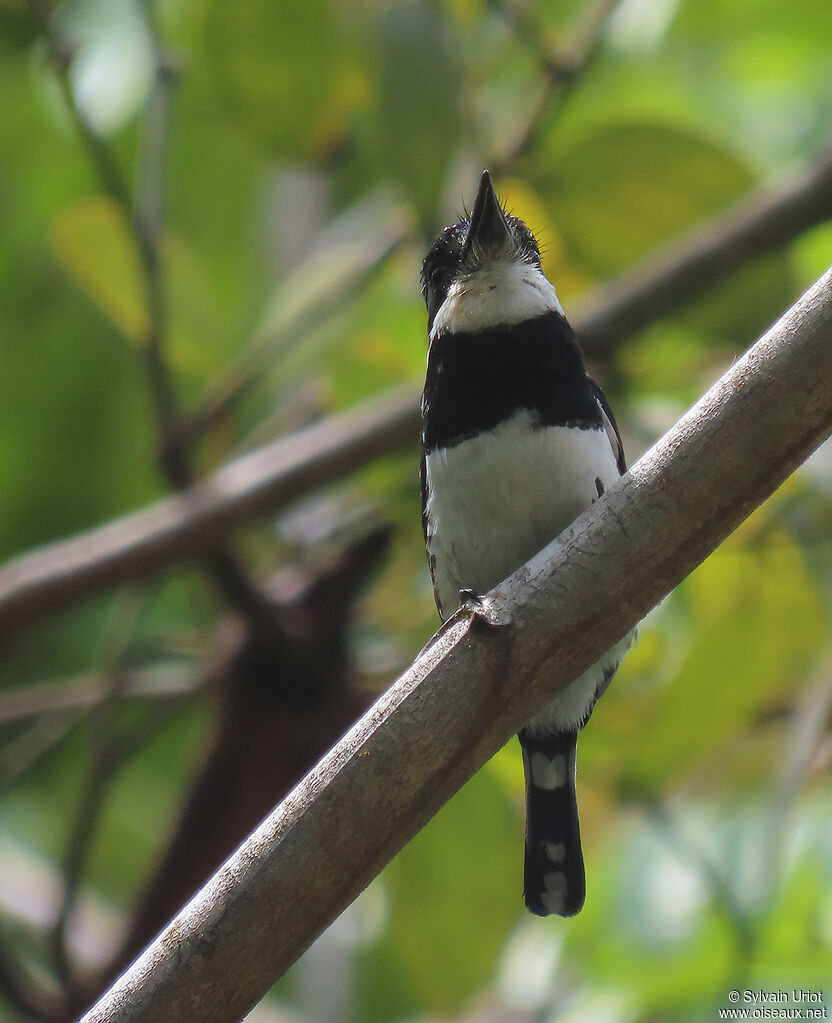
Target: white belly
[496,499]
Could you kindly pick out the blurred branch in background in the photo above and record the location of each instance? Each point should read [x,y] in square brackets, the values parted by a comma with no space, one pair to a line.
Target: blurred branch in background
[766,220]
[108,753]
[489,669]
[26,996]
[188,524]
[744,909]
[161,681]
[143,218]
[270,731]
[60,51]
[112,747]
[34,742]
[148,223]
[807,752]
[272,340]
[143,214]
[738,918]
[267,480]
[560,70]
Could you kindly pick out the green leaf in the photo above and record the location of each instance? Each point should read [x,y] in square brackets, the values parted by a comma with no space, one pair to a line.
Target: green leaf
[762,624]
[454,895]
[18,27]
[276,71]
[417,95]
[667,179]
[387,340]
[91,241]
[332,278]
[720,19]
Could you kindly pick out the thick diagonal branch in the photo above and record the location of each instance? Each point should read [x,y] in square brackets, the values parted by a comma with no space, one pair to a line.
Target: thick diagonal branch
[483,675]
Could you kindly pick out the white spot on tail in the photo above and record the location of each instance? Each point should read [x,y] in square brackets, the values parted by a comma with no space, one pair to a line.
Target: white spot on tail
[554,903]
[555,852]
[548,772]
[555,882]
[553,897]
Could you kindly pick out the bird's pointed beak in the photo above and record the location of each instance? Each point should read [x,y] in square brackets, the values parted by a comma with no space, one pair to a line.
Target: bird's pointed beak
[489,230]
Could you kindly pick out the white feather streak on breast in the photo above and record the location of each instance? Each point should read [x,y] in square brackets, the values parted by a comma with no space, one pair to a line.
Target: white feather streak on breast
[495,500]
[503,293]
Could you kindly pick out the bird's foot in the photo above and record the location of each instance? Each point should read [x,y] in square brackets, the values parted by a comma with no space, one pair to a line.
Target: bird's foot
[479,608]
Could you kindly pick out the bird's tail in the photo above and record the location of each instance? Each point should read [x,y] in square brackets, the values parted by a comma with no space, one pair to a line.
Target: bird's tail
[554,879]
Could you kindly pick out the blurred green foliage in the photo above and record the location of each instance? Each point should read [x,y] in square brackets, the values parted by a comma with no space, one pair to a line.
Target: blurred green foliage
[314,149]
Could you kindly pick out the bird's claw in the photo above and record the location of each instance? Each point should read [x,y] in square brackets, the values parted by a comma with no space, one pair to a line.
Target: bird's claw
[478,608]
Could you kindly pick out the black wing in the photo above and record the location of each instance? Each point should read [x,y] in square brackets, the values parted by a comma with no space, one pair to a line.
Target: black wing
[610,425]
[424,487]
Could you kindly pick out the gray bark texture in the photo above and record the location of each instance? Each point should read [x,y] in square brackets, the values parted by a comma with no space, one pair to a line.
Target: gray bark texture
[486,672]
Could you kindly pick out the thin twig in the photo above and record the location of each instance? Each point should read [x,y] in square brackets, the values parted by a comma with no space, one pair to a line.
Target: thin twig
[231,577]
[80,692]
[144,221]
[229,573]
[142,218]
[809,722]
[561,70]
[148,226]
[237,379]
[739,920]
[24,996]
[36,742]
[117,637]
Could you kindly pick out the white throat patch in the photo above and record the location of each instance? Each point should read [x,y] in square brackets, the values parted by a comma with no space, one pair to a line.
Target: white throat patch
[505,292]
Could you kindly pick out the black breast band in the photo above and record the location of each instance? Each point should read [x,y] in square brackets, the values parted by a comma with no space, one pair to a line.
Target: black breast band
[477,380]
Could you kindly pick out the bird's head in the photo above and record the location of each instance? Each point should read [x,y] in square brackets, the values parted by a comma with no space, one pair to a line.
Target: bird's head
[484,270]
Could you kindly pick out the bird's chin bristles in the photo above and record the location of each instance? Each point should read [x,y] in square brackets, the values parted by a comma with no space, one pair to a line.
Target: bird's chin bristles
[497,292]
